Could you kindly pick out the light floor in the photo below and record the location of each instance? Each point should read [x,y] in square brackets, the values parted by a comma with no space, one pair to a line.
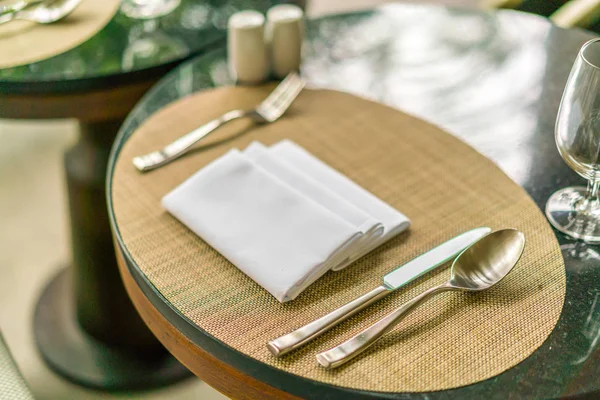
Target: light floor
[34,239]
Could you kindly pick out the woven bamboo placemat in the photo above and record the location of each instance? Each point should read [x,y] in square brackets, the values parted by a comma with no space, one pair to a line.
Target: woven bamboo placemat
[442,184]
[25,42]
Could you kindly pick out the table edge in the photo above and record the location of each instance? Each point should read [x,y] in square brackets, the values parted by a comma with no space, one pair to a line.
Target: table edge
[197,360]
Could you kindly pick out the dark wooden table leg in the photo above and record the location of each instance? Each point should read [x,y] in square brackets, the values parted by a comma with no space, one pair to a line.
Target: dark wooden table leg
[86,327]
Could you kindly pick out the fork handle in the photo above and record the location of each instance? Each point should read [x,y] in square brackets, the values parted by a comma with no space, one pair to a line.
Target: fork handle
[284,344]
[181,146]
[346,351]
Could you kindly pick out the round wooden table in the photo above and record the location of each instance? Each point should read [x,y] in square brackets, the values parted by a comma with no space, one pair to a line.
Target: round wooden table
[85,326]
[493,79]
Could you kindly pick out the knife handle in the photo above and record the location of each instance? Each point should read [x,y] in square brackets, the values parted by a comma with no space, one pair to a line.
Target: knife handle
[284,344]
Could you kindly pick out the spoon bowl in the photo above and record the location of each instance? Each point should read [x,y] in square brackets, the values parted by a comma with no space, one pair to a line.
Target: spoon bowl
[487,261]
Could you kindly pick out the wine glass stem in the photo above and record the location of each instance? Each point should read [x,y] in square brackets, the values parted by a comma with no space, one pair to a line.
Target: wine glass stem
[591,195]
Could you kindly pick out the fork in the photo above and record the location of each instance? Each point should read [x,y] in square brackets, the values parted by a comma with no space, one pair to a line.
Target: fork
[266,112]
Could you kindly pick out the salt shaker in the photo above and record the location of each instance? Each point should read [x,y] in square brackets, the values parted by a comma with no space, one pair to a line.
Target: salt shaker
[283,35]
[247,52]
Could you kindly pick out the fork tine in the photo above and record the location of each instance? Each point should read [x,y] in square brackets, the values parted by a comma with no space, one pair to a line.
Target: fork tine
[291,77]
[291,87]
[280,90]
[289,97]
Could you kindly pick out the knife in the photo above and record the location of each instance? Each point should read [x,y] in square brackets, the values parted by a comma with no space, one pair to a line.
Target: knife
[392,281]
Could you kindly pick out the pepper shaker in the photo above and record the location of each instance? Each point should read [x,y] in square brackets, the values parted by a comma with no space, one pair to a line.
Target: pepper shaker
[247,52]
[283,34]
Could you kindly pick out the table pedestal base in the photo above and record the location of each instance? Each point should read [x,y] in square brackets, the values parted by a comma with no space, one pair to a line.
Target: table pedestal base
[79,357]
[86,327]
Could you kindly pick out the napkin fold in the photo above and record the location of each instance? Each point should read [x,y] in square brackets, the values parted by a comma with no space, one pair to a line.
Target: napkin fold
[369,227]
[394,222]
[282,216]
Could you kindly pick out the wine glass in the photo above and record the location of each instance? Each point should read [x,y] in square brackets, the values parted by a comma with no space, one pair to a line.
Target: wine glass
[576,210]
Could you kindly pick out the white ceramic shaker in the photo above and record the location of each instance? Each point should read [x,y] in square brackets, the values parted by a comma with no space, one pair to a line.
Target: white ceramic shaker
[283,34]
[247,52]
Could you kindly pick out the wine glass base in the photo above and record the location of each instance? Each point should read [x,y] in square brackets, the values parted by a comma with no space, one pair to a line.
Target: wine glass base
[566,210]
[145,9]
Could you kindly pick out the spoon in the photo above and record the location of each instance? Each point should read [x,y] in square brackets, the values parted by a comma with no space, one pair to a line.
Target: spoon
[43,13]
[478,267]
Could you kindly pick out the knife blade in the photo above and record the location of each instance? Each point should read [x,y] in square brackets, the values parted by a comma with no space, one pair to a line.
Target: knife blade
[391,282]
[433,258]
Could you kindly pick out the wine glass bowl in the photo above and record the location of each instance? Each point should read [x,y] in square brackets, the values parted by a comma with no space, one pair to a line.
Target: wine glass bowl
[576,210]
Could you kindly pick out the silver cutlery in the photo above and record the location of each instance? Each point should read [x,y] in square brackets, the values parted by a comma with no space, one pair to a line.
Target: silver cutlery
[479,267]
[391,282]
[18,6]
[42,12]
[266,112]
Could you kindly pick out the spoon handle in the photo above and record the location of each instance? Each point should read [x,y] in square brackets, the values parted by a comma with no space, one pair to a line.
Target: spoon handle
[346,351]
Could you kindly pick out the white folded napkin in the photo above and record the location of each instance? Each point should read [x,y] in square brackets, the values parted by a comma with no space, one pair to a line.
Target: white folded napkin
[282,216]
[393,221]
[273,233]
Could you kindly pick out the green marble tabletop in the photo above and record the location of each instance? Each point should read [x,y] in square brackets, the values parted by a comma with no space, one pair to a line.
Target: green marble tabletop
[129,49]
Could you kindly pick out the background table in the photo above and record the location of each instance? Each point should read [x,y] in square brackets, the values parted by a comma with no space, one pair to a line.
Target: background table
[85,326]
[494,80]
